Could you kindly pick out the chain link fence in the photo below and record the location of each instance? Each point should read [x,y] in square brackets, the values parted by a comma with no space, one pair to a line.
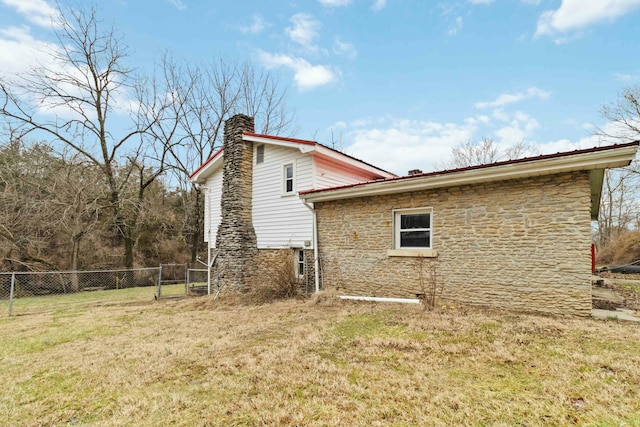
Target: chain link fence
[18,286]
[197,281]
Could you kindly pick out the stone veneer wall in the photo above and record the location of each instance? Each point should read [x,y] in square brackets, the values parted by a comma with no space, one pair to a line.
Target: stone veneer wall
[236,237]
[309,280]
[268,264]
[519,244]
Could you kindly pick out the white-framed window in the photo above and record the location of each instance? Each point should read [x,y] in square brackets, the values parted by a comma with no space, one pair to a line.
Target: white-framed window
[288,179]
[412,228]
[260,154]
[299,262]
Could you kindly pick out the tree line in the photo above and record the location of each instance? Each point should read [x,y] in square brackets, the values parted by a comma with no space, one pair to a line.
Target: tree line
[95,155]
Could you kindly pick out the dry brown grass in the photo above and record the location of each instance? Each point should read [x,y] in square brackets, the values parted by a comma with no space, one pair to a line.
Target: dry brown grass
[317,362]
[621,250]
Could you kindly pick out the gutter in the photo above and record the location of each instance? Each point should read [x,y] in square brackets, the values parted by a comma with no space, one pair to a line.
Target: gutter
[316,264]
[606,157]
[209,260]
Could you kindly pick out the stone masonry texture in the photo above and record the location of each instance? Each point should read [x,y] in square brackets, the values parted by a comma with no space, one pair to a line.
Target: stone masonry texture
[518,244]
[272,265]
[236,237]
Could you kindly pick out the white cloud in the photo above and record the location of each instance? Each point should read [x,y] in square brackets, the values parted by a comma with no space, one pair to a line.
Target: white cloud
[344,48]
[335,3]
[399,145]
[455,27]
[520,128]
[378,5]
[481,1]
[19,51]
[304,30]
[510,98]
[178,4]
[306,76]
[576,15]
[256,26]
[626,78]
[591,140]
[38,12]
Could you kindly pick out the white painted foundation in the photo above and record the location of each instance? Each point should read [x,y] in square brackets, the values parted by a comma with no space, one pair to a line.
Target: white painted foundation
[381,299]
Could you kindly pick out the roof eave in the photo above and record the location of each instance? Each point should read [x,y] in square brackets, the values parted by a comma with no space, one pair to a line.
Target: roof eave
[349,161]
[621,156]
[283,142]
[596,178]
[206,170]
[313,148]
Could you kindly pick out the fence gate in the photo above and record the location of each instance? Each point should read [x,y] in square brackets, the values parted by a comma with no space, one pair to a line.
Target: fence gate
[197,281]
[173,280]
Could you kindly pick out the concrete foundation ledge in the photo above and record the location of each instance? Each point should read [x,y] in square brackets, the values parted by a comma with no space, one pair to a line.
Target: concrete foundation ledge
[619,314]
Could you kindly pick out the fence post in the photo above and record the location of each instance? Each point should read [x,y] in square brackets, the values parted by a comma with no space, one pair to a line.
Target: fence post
[159,281]
[13,285]
[186,278]
[186,282]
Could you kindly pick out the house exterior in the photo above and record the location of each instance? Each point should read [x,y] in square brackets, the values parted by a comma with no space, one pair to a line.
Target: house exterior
[253,215]
[514,234]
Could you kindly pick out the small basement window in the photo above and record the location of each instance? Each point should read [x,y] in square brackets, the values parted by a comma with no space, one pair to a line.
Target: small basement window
[287,175]
[260,154]
[412,228]
[299,258]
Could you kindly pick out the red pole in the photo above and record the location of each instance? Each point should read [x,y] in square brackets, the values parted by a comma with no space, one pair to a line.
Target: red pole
[593,258]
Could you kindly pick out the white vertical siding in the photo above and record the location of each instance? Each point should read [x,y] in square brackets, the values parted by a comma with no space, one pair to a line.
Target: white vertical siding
[329,174]
[281,220]
[212,213]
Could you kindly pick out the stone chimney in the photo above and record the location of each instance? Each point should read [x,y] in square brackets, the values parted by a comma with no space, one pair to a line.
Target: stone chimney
[236,237]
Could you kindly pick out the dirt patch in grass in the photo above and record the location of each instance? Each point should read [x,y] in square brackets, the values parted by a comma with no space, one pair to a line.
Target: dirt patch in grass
[314,362]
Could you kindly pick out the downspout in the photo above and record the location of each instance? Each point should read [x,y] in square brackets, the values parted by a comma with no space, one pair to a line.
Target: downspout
[316,269]
[207,200]
[209,262]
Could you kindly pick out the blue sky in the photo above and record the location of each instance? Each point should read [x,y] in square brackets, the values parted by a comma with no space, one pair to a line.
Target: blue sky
[403,81]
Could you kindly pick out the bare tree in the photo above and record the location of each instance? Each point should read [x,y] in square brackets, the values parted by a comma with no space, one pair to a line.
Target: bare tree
[208,94]
[262,98]
[84,97]
[75,203]
[620,202]
[78,99]
[623,116]
[484,152]
[26,231]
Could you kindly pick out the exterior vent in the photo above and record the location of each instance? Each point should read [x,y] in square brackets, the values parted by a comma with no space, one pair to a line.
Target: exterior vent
[415,172]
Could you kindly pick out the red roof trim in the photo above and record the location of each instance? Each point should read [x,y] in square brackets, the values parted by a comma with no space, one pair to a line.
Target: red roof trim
[307,142]
[209,160]
[356,159]
[485,166]
[280,138]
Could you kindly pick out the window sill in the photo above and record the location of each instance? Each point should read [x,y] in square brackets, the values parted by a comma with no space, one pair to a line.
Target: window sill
[416,253]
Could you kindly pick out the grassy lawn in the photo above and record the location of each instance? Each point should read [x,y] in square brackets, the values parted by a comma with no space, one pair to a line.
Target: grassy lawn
[130,360]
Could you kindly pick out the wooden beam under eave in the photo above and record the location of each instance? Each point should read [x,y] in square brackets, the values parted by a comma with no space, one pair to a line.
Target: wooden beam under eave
[596,178]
